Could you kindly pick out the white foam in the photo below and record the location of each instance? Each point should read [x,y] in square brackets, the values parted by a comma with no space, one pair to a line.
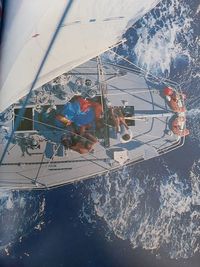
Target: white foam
[20,213]
[156,53]
[9,203]
[123,202]
[198,9]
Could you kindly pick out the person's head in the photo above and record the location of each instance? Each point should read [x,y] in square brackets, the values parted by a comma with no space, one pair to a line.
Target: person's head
[126,137]
[88,145]
[65,141]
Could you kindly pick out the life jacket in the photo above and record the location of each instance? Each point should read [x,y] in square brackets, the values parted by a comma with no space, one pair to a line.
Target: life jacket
[174,99]
[176,103]
[85,104]
[178,127]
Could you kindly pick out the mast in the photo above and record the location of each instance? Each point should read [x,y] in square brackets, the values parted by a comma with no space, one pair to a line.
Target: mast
[103,90]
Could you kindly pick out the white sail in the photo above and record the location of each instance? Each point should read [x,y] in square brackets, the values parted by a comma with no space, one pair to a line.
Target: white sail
[90,28]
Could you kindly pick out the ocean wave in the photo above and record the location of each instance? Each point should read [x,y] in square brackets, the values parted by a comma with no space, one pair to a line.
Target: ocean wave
[158,213]
[194,125]
[165,41]
[20,212]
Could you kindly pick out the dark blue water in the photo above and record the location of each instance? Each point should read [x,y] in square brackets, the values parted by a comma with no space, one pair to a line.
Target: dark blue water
[146,215]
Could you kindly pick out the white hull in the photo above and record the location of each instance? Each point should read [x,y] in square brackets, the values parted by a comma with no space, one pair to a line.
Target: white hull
[49,164]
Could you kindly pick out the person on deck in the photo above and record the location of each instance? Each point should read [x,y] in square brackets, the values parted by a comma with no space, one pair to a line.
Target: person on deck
[82,144]
[84,114]
[116,118]
[81,112]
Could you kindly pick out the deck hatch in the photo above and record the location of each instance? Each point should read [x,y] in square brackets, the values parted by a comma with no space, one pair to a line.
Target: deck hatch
[25,124]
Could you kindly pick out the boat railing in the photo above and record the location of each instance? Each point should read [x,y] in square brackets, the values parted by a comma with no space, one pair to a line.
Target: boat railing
[172,147]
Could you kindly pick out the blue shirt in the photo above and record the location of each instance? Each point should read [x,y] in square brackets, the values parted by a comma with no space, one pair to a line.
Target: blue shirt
[72,111]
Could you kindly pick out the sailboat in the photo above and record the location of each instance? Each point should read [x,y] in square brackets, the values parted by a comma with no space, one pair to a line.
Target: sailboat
[67,113]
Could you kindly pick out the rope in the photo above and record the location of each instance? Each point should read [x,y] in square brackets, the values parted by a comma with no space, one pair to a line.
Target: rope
[22,111]
[37,175]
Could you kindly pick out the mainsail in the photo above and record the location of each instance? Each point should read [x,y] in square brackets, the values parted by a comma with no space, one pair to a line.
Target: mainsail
[89,29]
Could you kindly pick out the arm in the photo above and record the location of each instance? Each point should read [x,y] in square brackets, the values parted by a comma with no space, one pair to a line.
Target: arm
[122,121]
[63,119]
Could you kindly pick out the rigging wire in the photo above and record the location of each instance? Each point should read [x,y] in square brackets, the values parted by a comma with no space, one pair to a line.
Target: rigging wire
[131,63]
[160,79]
[22,110]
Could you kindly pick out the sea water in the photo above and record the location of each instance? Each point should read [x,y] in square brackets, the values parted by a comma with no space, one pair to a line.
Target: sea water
[154,205]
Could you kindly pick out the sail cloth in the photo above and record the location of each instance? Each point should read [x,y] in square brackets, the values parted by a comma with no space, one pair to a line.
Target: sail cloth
[90,28]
